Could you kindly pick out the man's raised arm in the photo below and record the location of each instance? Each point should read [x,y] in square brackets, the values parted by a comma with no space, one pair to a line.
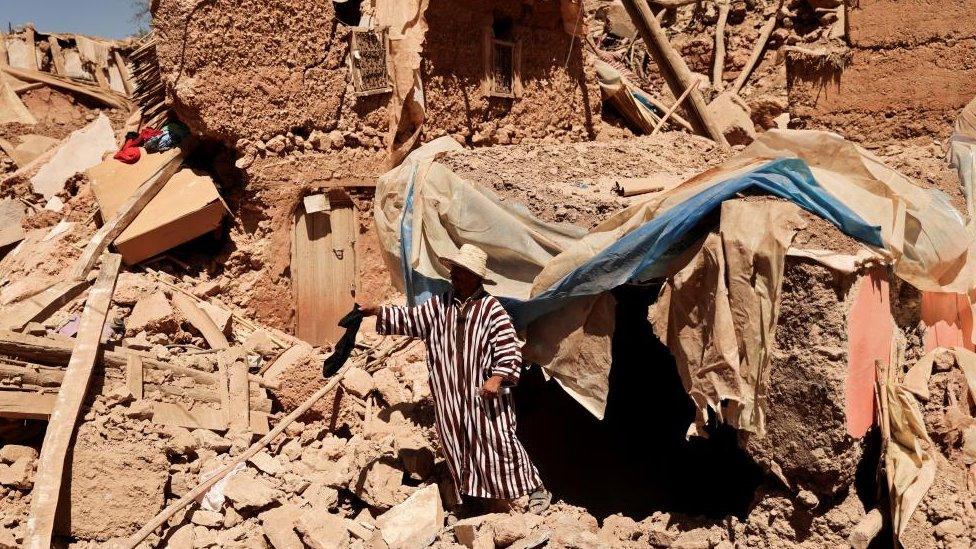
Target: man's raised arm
[404,321]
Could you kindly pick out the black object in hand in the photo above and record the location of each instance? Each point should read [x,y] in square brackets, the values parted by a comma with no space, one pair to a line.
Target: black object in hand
[344,347]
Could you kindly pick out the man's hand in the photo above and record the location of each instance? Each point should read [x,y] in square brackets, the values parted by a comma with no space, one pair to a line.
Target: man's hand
[491,387]
[370,309]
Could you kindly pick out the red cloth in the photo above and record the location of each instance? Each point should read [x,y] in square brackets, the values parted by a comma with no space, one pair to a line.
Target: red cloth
[129,153]
[869,336]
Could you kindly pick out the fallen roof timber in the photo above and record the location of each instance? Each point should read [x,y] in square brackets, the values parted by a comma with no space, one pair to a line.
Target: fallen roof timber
[67,407]
[52,352]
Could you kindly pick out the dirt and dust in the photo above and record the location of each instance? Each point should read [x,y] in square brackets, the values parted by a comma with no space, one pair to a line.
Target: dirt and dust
[295,126]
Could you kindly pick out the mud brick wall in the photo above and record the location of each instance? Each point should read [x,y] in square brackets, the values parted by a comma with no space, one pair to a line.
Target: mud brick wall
[252,69]
[911,71]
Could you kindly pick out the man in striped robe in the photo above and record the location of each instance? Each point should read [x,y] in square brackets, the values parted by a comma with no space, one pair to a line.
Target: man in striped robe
[473,357]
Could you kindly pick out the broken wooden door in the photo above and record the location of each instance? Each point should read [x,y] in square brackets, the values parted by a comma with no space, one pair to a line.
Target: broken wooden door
[323,269]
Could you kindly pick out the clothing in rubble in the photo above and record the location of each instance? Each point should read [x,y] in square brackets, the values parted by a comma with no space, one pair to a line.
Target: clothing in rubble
[344,347]
[129,153]
[173,132]
[468,342]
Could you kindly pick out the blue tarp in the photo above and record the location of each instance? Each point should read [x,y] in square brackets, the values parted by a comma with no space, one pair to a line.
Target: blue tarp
[644,253]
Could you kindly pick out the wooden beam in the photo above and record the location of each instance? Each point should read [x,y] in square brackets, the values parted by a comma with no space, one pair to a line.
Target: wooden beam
[673,69]
[26,404]
[201,321]
[126,213]
[757,51]
[238,416]
[123,72]
[16,316]
[67,407]
[134,375]
[719,64]
[203,417]
[109,98]
[49,351]
[56,56]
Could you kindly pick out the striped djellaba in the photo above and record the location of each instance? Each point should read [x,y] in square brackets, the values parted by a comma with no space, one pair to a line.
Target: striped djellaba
[466,344]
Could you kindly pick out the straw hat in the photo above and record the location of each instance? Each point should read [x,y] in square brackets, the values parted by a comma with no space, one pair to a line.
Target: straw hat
[471,258]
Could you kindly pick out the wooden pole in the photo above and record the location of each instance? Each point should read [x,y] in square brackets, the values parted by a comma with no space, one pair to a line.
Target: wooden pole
[67,407]
[719,66]
[202,488]
[674,107]
[673,68]
[757,51]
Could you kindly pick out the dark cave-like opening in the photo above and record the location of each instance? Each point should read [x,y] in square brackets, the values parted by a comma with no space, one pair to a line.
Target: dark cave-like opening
[636,460]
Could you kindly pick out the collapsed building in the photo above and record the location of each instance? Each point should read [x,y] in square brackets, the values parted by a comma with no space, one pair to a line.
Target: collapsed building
[696,381]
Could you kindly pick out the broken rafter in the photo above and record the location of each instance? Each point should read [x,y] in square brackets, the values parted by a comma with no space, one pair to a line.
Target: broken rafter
[719,66]
[67,407]
[53,352]
[757,51]
[673,68]
[201,321]
[108,98]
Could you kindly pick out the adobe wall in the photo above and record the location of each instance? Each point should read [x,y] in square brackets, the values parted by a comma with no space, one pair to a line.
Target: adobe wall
[245,72]
[909,75]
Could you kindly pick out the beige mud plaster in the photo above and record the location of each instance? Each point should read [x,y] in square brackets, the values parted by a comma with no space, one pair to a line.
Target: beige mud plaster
[57,438]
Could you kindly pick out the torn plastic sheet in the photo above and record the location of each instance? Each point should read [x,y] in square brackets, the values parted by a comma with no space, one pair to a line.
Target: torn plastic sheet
[645,253]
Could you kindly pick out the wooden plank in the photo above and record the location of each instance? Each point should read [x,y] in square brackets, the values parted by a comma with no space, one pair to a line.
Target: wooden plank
[124,72]
[107,97]
[126,213]
[223,385]
[57,57]
[60,429]
[32,47]
[238,410]
[43,304]
[202,417]
[4,61]
[199,417]
[324,271]
[133,375]
[201,321]
[26,404]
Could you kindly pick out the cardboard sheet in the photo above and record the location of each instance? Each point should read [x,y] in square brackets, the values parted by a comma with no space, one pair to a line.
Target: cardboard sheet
[188,205]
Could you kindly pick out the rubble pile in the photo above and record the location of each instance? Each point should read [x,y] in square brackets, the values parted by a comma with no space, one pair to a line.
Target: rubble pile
[185,217]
